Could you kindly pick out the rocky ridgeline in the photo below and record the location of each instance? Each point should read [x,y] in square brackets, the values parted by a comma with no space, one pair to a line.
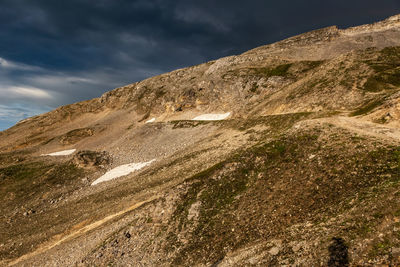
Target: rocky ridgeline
[391,23]
[204,88]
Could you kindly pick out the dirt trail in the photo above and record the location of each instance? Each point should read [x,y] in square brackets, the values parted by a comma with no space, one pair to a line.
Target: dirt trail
[363,127]
[61,239]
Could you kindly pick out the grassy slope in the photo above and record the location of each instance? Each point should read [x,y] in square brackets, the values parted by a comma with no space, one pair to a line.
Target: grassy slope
[329,181]
[302,188]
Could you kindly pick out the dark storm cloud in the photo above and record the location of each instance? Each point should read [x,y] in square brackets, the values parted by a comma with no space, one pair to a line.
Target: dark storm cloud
[58,52]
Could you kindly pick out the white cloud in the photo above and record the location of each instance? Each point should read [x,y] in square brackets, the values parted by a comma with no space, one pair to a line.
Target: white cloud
[57,80]
[73,79]
[15,112]
[4,63]
[29,92]
[11,65]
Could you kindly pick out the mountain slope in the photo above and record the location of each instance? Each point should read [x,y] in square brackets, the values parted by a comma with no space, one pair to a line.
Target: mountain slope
[304,171]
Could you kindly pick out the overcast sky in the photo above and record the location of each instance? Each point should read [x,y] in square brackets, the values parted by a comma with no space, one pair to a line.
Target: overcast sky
[54,53]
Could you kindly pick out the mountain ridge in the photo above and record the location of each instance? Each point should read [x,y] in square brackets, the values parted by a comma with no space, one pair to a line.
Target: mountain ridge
[390,23]
[296,163]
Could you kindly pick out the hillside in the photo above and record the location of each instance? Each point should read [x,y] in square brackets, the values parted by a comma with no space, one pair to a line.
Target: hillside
[286,155]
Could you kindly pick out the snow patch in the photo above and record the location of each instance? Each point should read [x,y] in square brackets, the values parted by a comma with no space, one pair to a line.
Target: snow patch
[61,153]
[151,120]
[122,171]
[212,117]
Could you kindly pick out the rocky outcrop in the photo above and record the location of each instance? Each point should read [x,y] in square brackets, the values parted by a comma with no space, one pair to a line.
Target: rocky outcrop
[91,159]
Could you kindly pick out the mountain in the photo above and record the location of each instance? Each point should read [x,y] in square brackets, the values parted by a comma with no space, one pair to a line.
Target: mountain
[286,155]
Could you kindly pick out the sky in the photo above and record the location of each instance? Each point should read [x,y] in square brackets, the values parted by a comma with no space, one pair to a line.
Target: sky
[55,53]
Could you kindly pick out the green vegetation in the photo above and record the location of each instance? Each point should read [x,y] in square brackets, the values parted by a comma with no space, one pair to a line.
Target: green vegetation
[387,70]
[280,70]
[367,107]
[322,83]
[233,196]
[36,177]
[380,248]
[76,135]
[142,92]
[21,172]
[277,123]
[216,196]
[391,55]
[218,189]
[383,80]
[309,65]
[188,123]
[160,92]
[30,186]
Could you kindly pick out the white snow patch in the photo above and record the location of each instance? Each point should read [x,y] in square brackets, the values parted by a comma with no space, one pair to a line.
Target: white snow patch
[61,153]
[212,117]
[151,120]
[122,171]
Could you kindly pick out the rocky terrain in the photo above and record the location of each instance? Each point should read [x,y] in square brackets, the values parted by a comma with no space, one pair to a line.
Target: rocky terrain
[294,161]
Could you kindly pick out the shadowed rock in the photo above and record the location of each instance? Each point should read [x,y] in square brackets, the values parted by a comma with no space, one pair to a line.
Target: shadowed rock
[338,253]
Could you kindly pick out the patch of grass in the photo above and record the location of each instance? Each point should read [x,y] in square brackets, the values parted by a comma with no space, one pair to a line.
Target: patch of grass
[31,186]
[383,80]
[188,124]
[36,176]
[254,191]
[22,172]
[305,66]
[308,87]
[346,82]
[387,70]
[378,215]
[367,107]
[277,123]
[313,64]
[76,135]
[141,92]
[160,93]
[178,161]
[219,189]
[397,213]
[357,138]
[380,248]
[364,230]
[391,55]
[278,148]
[280,70]
[216,195]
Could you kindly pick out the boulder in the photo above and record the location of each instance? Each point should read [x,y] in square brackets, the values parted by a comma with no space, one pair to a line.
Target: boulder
[91,159]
